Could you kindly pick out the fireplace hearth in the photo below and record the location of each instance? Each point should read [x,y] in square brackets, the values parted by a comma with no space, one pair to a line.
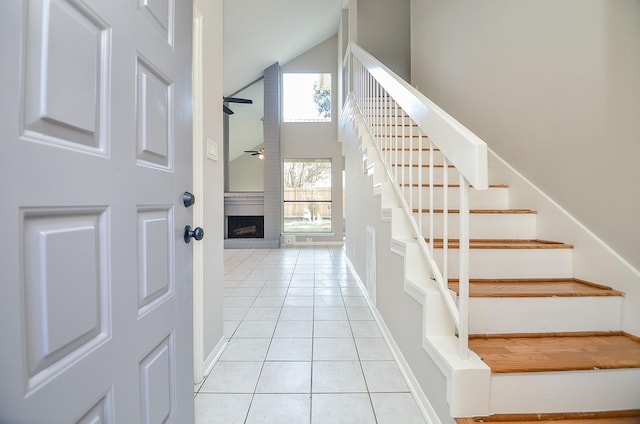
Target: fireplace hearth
[245,227]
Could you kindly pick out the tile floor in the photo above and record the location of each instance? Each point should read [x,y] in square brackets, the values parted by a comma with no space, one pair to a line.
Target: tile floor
[303,346]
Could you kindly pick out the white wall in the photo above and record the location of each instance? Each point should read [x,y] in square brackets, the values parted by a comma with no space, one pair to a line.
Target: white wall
[553,88]
[383,30]
[319,140]
[213,293]
[246,173]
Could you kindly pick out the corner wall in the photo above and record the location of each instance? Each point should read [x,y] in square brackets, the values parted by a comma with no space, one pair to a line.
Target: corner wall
[273,156]
[553,88]
[310,140]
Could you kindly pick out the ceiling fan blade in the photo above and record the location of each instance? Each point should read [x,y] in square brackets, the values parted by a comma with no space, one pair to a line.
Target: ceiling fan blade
[226,110]
[237,100]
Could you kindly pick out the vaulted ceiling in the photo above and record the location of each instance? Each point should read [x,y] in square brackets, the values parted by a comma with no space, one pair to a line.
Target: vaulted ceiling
[259,33]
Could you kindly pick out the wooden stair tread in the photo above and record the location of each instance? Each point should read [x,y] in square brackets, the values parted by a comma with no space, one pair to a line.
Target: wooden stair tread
[375,124]
[450,185]
[534,287]
[482,211]
[409,149]
[424,136]
[503,244]
[519,353]
[415,165]
[607,417]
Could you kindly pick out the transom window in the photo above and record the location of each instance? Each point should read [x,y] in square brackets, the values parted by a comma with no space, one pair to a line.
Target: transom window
[306,97]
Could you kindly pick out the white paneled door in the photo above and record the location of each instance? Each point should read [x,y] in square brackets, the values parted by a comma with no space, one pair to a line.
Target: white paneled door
[95,154]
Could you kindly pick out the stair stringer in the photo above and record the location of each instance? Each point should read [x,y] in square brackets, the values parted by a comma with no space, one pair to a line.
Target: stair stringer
[468,380]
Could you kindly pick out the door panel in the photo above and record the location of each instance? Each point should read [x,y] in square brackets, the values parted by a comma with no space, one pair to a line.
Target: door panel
[66,75]
[155,258]
[154,110]
[64,253]
[95,153]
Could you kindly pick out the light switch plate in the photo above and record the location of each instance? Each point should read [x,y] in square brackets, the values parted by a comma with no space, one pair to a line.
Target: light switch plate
[212,149]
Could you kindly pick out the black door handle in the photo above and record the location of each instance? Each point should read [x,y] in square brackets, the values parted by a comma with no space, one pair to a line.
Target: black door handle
[196,233]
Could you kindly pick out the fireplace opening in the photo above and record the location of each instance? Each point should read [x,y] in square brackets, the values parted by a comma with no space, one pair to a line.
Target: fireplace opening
[245,227]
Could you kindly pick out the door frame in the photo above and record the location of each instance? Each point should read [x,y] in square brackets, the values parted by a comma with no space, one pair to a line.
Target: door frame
[198,191]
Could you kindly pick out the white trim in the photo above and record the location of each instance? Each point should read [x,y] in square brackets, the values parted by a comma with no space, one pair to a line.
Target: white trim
[211,360]
[198,191]
[317,243]
[215,354]
[421,399]
[291,233]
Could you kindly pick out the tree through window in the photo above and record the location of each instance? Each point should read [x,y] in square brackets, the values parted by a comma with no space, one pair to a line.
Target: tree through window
[306,97]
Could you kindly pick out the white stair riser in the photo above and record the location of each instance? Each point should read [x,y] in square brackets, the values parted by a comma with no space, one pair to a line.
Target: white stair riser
[494,198]
[544,314]
[570,391]
[411,175]
[513,263]
[412,156]
[484,226]
[399,132]
[388,116]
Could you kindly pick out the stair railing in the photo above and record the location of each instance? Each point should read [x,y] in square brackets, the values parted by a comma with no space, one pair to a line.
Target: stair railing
[404,124]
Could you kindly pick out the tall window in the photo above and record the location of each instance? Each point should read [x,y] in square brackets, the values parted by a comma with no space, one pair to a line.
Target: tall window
[307,195]
[306,97]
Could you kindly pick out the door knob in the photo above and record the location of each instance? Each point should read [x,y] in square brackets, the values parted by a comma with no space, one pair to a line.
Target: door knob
[196,233]
[188,199]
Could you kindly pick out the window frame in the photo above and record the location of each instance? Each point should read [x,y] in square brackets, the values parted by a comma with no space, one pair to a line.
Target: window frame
[311,218]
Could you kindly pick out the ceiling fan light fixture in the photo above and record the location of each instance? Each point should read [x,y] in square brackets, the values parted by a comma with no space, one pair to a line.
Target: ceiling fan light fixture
[259,153]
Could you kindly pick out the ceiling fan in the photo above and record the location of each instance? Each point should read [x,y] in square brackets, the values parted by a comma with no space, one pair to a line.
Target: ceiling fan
[259,153]
[226,108]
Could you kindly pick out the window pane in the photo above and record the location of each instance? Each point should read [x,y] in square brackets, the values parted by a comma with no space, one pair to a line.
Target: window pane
[305,217]
[307,195]
[306,97]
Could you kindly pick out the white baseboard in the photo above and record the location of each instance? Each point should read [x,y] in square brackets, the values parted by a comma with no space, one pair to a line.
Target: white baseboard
[215,355]
[315,243]
[421,399]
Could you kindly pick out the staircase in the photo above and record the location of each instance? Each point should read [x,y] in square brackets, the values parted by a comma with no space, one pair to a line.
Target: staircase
[552,342]
[544,346]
